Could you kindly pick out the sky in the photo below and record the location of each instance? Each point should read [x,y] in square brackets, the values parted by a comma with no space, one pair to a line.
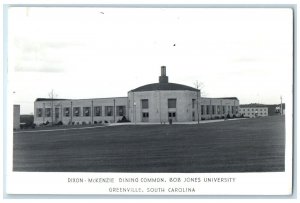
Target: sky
[105,52]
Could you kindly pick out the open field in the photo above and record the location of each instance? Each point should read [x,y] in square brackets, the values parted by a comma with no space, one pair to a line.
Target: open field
[249,145]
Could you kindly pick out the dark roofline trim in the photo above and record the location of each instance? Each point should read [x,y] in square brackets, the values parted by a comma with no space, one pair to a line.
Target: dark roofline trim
[163,87]
[49,99]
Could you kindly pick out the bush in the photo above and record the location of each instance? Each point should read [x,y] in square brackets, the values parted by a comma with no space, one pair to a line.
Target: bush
[105,121]
[123,120]
[59,123]
[95,122]
[228,116]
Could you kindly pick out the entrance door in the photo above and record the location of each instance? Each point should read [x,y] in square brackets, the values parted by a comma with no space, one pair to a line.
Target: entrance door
[145,116]
[172,115]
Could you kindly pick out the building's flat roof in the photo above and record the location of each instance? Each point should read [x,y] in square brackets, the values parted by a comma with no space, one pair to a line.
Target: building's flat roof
[231,98]
[49,99]
[255,105]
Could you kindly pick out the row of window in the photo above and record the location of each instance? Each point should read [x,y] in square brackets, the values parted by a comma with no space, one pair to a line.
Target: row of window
[217,109]
[255,113]
[82,111]
[171,103]
[170,114]
[242,109]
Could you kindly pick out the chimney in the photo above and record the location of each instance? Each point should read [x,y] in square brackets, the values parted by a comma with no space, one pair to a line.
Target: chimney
[163,78]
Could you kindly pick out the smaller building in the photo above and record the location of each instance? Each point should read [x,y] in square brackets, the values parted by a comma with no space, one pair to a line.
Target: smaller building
[16,117]
[80,111]
[253,111]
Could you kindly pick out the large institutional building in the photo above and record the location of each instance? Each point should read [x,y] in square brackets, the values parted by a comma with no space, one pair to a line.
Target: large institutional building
[156,103]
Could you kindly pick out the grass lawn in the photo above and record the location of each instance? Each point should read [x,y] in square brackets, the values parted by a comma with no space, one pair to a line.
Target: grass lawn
[249,145]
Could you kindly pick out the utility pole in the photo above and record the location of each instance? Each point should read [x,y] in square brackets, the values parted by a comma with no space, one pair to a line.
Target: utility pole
[281,110]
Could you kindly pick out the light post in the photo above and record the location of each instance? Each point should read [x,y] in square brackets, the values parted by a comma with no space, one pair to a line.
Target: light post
[134,112]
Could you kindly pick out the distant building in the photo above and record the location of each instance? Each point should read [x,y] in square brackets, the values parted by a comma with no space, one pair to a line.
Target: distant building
[16,117]
[253,111]
[258,110]
[157,102]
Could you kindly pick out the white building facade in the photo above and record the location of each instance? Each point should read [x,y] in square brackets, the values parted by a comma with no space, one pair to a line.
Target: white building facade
[80,111]
[253,111]
[155,103]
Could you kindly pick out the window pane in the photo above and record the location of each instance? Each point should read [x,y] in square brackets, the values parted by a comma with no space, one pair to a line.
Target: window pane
[56,112]
[121,110]
[171,103]
[67,112]
[39,112]
[145,104]
[97,111]
[108,111]
[86,111]
[48,112]
[145,115]
[76,111]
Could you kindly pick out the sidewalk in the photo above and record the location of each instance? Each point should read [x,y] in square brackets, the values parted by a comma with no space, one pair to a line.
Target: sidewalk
[174,123]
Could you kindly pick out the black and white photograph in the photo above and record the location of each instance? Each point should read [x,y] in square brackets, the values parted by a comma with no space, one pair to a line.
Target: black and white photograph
[150,100]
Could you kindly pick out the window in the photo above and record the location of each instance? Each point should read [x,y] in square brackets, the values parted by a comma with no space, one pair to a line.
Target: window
[39,112]
[108,111]
[97,111]
[218,109]
[202,109]
[145,115]
[193,103]
[67,111]
[223,111]
[76,111]
[48,112]
[145,103]
[213,109]
[172,114]
[121,110]
[86,111]
[228,109]
[207,109]
[171,103]
[232,109]
[56,112]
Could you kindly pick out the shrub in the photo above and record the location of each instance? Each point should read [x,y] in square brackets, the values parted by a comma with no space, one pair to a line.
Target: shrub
[123,120]
[59,123]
